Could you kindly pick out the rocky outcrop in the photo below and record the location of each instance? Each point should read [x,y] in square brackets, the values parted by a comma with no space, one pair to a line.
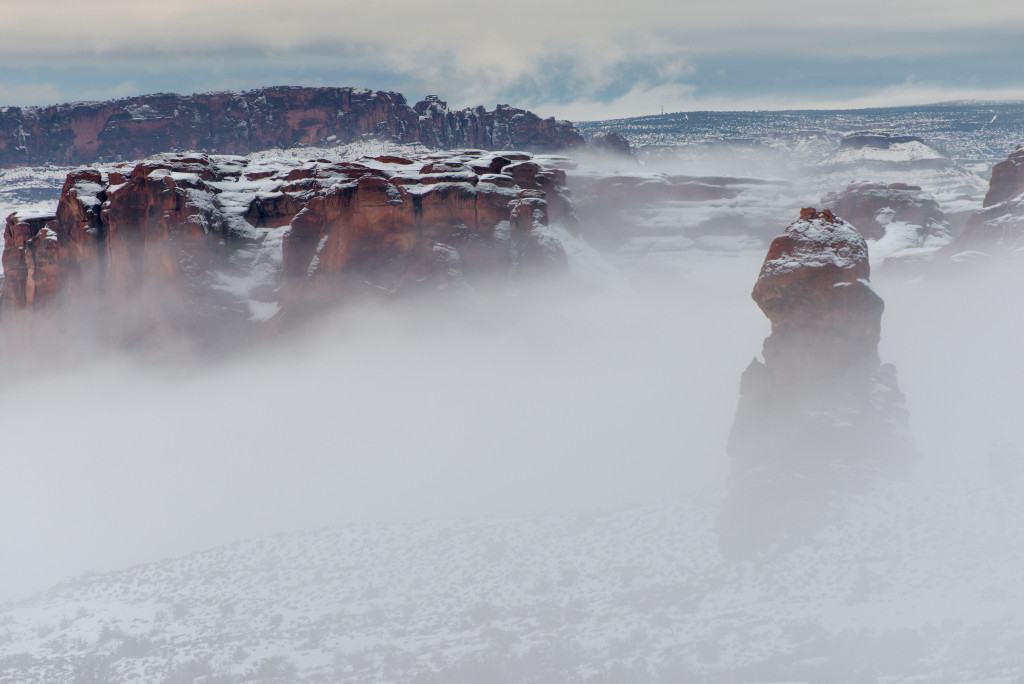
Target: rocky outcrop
[821,416]
[1007,179]
[905,222]
[871,207]
[998,228]
[280,117]
[610,142]
[190,243]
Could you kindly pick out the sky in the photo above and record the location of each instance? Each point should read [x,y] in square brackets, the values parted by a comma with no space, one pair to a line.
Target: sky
[575,59]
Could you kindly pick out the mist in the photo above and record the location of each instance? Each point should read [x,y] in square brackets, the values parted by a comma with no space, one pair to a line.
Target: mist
[611,389]
[543,401]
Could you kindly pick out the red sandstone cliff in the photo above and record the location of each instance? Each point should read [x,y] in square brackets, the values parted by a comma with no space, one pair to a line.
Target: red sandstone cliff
[183,241]
[239,123]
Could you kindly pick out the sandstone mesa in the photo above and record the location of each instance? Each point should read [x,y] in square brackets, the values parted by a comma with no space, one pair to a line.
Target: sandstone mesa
[280,117]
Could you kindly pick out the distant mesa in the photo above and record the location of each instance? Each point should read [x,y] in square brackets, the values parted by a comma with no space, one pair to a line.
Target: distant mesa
[878,141]
[279,117]
[821,416]
[187,246]
[886,151]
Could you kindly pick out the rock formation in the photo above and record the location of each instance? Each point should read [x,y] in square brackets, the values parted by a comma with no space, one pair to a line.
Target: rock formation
[998,228]
[239,123]
[871,207]
[1007,179]
[902,159]
[905,222]
[610,142]
[191,243]
[821,416]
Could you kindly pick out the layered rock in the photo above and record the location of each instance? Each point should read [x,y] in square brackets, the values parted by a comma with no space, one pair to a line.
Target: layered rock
[998,228]
[187,243]
[904,221]
[240,123]
[821,415]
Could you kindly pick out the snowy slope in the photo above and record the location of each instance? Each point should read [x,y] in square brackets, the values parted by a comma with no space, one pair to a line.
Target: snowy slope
[920,584]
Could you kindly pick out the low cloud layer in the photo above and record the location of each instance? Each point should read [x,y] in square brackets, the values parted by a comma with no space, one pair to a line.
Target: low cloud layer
[571,59]
[553,401]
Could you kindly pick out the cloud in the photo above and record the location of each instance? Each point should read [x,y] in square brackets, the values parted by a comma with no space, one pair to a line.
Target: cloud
[556,57]
[28,92]
[641,100]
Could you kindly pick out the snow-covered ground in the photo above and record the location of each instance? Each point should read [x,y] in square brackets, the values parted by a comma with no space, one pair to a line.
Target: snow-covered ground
[919,584]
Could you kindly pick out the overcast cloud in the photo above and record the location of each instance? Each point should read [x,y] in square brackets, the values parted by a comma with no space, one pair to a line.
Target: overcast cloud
[570,58]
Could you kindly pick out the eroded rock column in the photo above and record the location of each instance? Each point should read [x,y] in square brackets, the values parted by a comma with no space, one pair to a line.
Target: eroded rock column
[820,417]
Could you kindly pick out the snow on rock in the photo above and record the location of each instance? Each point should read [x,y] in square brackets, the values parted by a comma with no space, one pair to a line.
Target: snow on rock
[232,240]
[818,240]
[820,415]
[885,158]
[900,221]
[997,230]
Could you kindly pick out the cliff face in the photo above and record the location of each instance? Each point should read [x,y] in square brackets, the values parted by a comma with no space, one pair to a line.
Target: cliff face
[239,123]
[1007,178]
[180,241]
[998,228]
[821,415]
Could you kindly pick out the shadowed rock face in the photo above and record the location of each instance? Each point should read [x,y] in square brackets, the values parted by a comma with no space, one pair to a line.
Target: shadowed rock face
[1007,179]
[193,243]
[998,228]
[821,416]
[240,123]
